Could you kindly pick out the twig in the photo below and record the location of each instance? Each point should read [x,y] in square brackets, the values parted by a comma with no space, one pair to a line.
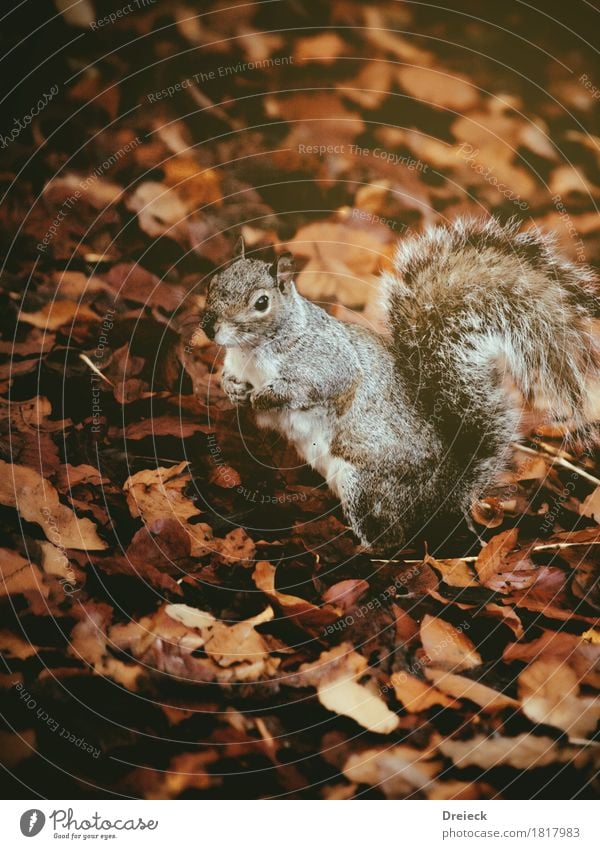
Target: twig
[97,371]
[471,559]
[206,103]
[560,461]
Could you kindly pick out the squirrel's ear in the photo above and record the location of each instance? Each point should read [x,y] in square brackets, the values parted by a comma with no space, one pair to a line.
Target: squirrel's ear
[285,271]
[240,248]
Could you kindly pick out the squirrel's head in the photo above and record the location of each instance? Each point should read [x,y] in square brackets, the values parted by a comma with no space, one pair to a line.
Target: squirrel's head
[247,300]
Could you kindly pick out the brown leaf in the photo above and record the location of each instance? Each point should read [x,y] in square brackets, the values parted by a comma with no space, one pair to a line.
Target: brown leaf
[236,545]
[225,476]
[371,86]
[19,576]
[416,695]
[549,596]
[156,548]
[439,87]
[455,573]
[89,644]
[459,687]
[132,282]
[37,501]
[399,770]
[16,748]
[239,643]
[591,505]
[155,494]
[323,47]
[56,314]
[488,513]
[549,692]
[168,642]
[586,583]
[159,209]
[163,426]
[343,258]
[32,415]
[506,614]
[447,646]
[581,654]
[305,614]
[345,594]
[335,675]
[525,751]
[502,570]
[195,185]
[13,646]
[345,696]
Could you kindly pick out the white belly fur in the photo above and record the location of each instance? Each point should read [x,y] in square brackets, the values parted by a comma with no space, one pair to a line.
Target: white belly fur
[308,430]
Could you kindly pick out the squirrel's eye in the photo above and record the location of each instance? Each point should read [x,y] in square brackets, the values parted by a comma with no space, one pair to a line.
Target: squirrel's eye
[262,303]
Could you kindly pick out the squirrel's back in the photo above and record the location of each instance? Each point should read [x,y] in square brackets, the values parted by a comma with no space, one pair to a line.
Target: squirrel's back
[478,310]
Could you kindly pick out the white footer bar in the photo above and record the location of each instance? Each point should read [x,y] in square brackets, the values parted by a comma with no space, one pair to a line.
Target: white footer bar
[288,825]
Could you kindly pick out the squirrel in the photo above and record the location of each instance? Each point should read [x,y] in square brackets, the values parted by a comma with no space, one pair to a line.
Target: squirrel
[483,324]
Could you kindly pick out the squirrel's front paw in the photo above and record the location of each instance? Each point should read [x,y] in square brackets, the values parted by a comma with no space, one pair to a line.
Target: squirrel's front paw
[266,399]
[238,391]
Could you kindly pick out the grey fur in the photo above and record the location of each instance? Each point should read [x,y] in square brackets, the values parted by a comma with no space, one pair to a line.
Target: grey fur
[407,428]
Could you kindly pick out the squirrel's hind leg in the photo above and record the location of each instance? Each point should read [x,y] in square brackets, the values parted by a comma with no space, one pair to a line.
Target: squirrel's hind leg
[367,505]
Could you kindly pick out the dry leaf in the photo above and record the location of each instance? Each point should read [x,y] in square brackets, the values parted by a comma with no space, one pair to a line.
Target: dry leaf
[159,209]
[297,609]
[525,751]
[502,570]
[335,676]
[439,87]
[155,494]
[58,313]
[447,646]
[416,695]
[581,654]
[36,500]
[459,687]
[549,691]
[399,770]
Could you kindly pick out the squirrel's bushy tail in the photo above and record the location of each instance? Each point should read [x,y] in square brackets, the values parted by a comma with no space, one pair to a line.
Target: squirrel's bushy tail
[478,310]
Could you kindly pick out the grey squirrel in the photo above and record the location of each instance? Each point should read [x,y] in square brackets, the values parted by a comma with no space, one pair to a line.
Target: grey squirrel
[483,322]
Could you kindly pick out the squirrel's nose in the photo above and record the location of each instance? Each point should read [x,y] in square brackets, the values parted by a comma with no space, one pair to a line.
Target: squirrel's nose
[208,324]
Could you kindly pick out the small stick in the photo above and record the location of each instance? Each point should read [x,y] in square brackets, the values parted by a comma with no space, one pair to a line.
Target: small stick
[560,461]
[471,559]
[97,371]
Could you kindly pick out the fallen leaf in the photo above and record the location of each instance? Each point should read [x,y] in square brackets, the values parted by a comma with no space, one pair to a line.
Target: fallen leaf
[446,645]
[155,494]
[525,751]
[335,676]
[159,209]
[56,314]
[346,697]
[581,654]
[19,576]
[502,570]
[459,687]
[439,87]
[307,615]
[16,747]
[455,573]
[36,500]
[416,695]
[345,594]
[399,770]
[549,692]
[324,47]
